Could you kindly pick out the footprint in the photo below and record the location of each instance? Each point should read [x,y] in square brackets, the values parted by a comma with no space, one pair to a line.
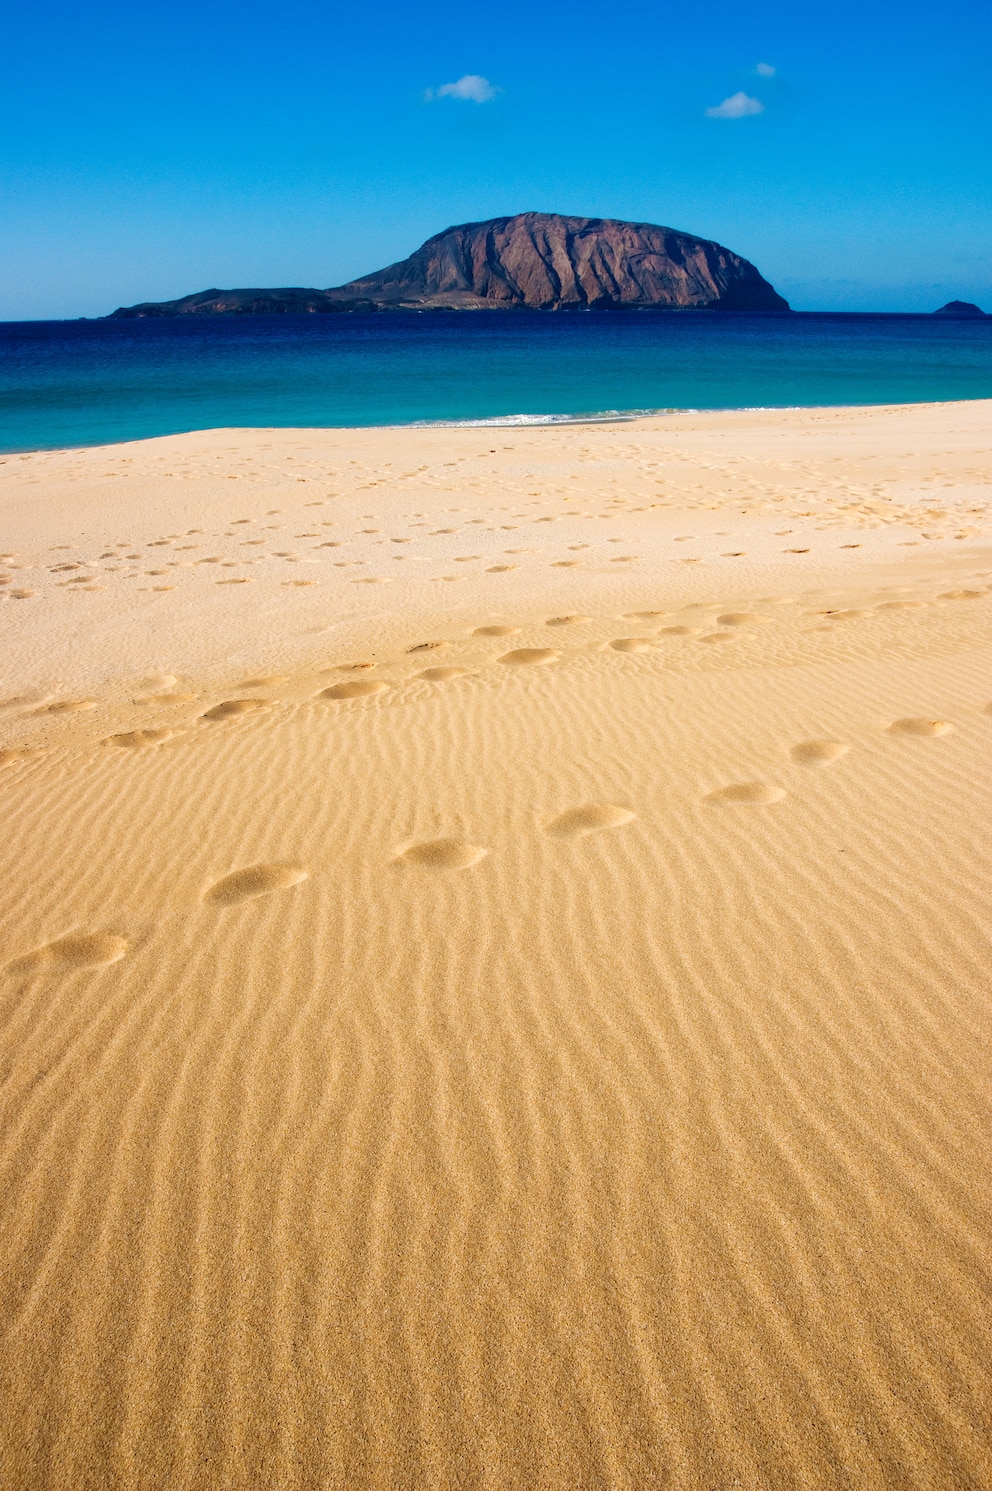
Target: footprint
[443,854]
[357,688]
[578,822]
[256,880]
[496,631]
[135,739]
[960,595]
[231,707]
[444,675]
[427,646]
[81,950]
[750,792]
[900,605]
[499,569]
[269,681]
[920,727]
[22,753]
[631,644]
[818,752]
[718,637]
[68,706]
[524,657]
[566,620]
[643,615]
[741,618]
[156,681]
[21,701]
[680,631]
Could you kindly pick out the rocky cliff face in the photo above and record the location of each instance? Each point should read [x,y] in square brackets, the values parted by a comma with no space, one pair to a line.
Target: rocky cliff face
[535,260]
[547,262]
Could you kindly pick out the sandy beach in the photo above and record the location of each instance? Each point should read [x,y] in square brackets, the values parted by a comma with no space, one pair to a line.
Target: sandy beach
[494,990]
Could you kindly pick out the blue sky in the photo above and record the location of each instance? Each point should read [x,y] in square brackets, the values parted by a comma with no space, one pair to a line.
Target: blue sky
[151,150]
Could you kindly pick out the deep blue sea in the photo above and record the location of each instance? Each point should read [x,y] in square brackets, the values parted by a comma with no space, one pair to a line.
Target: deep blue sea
[70,383]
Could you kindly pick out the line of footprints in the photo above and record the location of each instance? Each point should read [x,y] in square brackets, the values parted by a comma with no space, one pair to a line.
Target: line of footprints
[90,950]
[732,623]
[807,753]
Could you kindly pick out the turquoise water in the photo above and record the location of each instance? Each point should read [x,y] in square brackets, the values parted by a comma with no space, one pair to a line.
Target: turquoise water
[73,383]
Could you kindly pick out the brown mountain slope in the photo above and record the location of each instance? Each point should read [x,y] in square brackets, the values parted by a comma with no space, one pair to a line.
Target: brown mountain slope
[548,262]
[534,260]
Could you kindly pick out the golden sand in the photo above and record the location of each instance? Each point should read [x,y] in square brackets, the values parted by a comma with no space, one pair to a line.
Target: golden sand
[493,988]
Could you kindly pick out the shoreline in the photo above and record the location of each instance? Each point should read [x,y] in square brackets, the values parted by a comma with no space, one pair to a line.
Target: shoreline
[516,311]
[503,421]
[207,477]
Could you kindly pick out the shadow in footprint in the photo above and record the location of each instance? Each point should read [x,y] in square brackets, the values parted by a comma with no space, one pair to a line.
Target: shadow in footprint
[818,752]
[442,854]
[67,706]
[256,880]
[230,708]
[529,657]
[357,688]
[745,792]
[920,727]
[80,950]
[135,739]
[577,822]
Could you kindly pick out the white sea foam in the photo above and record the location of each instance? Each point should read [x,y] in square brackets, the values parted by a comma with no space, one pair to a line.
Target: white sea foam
[599,416]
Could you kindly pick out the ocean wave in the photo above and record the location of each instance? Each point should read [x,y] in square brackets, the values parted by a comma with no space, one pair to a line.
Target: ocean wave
[596,417]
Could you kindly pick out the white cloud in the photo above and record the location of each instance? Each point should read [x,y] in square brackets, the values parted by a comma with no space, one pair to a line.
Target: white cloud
[737,106]
[765,70]
[470,88]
